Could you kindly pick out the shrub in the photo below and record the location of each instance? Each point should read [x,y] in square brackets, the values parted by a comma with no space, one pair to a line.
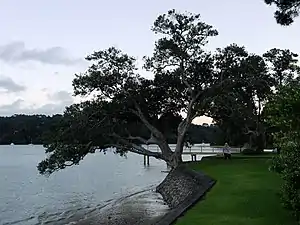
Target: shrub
[249,151]
[282,113]
[288,165]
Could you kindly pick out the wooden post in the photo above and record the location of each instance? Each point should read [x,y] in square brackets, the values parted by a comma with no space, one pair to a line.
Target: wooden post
[146,160]
[194,157]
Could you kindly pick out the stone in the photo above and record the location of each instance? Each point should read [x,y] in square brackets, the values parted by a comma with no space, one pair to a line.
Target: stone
[181,189]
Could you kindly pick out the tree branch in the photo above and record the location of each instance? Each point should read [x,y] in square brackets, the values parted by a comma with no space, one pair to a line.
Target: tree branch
[165,66]
[183,127]
[138,112]
[188,86]
[162,142]
[248,131]
[138,139]
[130,137]
[156,155]
[98,123]
[212,89]
[195,116]
[135,148]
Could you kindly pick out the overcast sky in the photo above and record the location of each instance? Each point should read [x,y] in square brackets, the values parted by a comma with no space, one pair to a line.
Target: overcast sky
[43,43]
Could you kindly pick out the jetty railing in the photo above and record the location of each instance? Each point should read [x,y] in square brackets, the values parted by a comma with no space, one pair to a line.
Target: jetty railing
[196,148]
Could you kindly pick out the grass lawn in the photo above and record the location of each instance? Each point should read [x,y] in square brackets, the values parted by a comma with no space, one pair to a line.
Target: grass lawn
[246,193]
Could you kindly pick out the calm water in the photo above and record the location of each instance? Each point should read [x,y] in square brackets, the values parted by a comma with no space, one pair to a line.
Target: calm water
[28,198]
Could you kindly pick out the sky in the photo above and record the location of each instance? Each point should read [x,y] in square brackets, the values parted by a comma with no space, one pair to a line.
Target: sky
[44,43]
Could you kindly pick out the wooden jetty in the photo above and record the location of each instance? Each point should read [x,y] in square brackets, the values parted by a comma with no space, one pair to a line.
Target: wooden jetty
[193,151]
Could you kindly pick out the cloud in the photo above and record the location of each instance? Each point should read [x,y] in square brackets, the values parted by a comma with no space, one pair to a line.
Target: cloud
[56,105]
[17,52]
[61,96]
[9,86]
[6,110]
[57,95]
[48,109]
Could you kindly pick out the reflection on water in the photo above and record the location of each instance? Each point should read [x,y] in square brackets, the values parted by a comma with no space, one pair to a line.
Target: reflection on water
[69,195]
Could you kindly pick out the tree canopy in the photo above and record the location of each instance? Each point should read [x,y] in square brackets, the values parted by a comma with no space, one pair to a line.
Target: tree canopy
[26,129]
[188,82]
[241,113]
[283,65]
[287,10]
[237,112]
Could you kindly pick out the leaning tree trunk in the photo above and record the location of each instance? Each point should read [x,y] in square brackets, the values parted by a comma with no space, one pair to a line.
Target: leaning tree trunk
[175,159]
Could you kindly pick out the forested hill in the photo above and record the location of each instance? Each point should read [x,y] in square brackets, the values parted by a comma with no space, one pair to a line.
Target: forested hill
[26,129]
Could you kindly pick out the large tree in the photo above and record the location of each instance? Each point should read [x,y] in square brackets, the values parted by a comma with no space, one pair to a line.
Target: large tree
[287,10]
[239,114]
[224,109]
[186,80]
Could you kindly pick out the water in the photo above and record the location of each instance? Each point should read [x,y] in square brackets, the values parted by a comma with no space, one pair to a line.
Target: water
[28,198]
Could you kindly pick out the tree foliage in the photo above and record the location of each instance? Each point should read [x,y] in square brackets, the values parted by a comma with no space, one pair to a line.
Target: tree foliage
[283,65]
[287,10]
[241,113]
[25,129]
[188,81]
[36,129]
[283,112]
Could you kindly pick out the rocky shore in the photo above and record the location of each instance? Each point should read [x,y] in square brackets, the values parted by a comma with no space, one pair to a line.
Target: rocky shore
[142,208]
[181,189]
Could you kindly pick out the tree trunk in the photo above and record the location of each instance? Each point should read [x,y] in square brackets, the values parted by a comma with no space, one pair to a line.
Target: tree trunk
[175,159]
[261,138]
[250,141]
[259,132]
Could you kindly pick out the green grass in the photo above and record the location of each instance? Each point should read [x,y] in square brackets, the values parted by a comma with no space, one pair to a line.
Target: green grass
[246,193]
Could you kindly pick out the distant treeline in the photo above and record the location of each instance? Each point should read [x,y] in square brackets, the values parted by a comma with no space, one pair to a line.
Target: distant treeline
[27,129]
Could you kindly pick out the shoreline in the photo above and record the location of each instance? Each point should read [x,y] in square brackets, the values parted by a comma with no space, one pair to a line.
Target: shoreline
[143,207]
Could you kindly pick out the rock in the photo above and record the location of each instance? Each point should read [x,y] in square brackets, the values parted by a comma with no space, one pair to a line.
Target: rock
[181,189]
